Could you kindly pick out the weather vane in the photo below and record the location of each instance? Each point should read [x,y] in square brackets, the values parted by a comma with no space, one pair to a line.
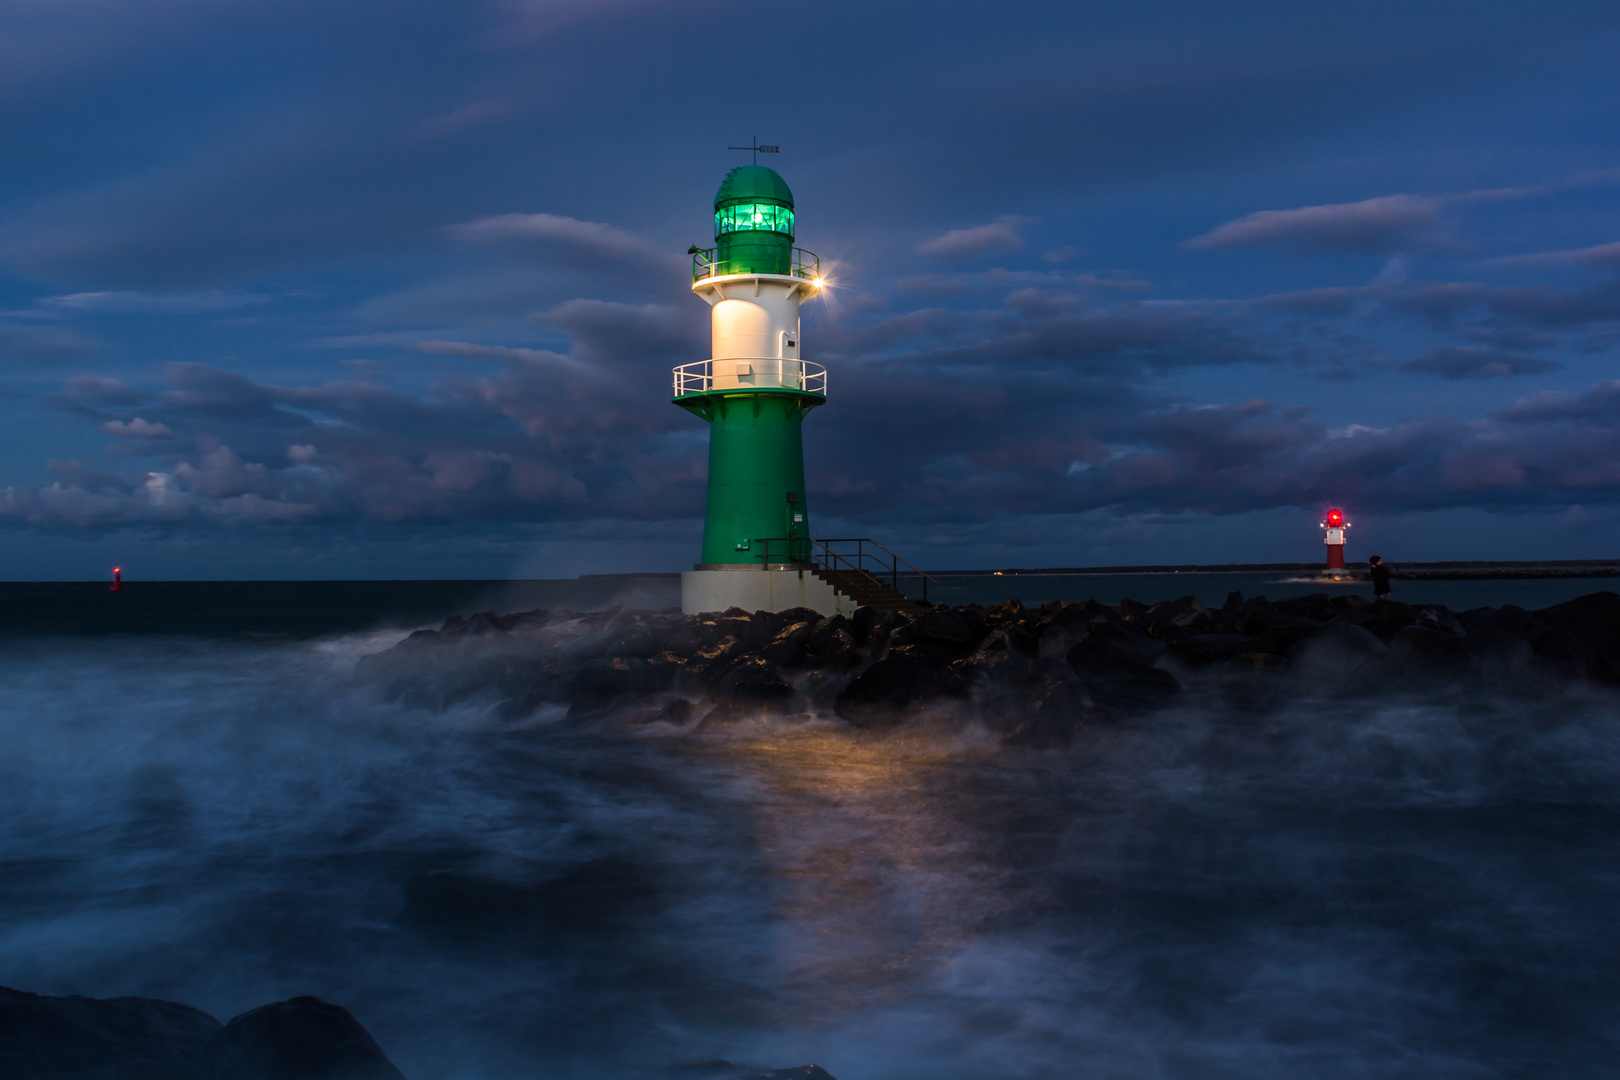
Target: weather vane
[757,149]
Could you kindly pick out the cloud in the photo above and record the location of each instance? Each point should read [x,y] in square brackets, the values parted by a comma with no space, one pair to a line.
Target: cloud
[37,345]
[1473,362]
[587,240]
[101,390]
[137,429]
[999,235]
[128,303]
[472,351]
[1600,257]
[1042,404]
[1389,223]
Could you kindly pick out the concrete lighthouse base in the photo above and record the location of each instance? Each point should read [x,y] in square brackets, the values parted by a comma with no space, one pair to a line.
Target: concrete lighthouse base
[760,590]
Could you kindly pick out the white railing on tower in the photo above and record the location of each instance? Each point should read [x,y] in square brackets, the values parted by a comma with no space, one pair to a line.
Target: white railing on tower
[751,373]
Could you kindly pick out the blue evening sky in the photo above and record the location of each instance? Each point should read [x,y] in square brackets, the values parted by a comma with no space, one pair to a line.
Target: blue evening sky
[393,289]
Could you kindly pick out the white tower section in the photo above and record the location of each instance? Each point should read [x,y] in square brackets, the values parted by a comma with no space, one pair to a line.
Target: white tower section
[754,326]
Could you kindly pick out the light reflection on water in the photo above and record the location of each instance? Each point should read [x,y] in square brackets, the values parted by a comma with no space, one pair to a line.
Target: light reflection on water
[1420,886]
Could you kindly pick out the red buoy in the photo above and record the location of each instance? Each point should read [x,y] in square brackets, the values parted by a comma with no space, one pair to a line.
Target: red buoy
[118,581]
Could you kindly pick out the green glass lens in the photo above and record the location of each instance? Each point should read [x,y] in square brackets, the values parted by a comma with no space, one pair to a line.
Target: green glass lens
[753,217]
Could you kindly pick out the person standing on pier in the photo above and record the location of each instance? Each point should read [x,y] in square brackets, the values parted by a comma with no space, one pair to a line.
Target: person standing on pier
[1380,577]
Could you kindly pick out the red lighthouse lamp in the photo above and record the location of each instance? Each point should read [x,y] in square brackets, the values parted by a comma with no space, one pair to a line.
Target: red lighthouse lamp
[1334,525]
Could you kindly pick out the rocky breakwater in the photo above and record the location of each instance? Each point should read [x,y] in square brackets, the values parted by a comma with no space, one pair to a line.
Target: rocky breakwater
[1035,676]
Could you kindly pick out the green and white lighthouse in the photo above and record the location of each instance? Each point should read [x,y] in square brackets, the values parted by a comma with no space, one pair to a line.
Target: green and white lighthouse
[755,391]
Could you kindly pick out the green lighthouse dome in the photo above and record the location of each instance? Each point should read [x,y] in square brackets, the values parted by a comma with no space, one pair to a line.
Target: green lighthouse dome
[749,183]
[753,222]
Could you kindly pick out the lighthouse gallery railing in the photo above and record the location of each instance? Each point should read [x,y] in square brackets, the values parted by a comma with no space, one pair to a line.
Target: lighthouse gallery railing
[751,373]
[806,264]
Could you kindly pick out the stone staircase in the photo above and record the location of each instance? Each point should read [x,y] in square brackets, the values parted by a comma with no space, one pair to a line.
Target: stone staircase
[868,591]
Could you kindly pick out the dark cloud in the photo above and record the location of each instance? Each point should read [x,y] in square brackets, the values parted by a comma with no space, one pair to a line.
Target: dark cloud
[1389,223]
[1473,362]
[44,345]
[125,303]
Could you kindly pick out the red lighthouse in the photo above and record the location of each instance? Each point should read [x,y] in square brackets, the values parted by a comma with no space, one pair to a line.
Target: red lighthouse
[1334,524]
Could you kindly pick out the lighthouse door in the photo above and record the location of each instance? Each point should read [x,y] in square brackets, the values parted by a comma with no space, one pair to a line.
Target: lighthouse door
[798,528]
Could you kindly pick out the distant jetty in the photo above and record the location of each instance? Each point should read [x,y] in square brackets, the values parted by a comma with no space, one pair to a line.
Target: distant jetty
[1413,571]
[1034,676]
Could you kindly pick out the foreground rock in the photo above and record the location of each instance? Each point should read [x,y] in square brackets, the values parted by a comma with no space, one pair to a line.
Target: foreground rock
[132,1038]
[1033,675]
[122,1038]
[303,1038]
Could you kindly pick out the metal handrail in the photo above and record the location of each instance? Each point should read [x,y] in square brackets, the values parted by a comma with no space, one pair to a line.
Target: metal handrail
[798,548]
[805,375]
[806,264]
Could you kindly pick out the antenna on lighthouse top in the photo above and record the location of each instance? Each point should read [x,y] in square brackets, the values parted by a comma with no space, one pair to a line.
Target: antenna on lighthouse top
[757,149]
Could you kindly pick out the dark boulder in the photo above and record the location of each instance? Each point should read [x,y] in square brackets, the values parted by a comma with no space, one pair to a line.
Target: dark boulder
[1057,707]
[121,1038]
[1573,653]
[863,622]
[1421,650]
[1277,633]
[1439,620]
[834,652]
[881,630]
[1118,682]
[1211,648]
[789,646]
[1338,652]
[1318,606]
[605,686]
[995,665]
[1601,610]
[1511,619]
[753,681]
[1007,611]
[692,636]
[1497,656]
[710,665]
[828,628]
[879,695]
[618,675]
[302,1038]
[1363,617]
[944,628]
[639,642]
[1106,638]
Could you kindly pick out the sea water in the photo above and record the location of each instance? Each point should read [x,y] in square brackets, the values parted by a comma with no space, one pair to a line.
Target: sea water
[1403,885]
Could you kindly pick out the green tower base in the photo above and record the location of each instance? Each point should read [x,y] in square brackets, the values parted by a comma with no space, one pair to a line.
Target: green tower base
[756,476]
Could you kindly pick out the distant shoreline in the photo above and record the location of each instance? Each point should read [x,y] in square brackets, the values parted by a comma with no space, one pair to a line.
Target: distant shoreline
[1452,570]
